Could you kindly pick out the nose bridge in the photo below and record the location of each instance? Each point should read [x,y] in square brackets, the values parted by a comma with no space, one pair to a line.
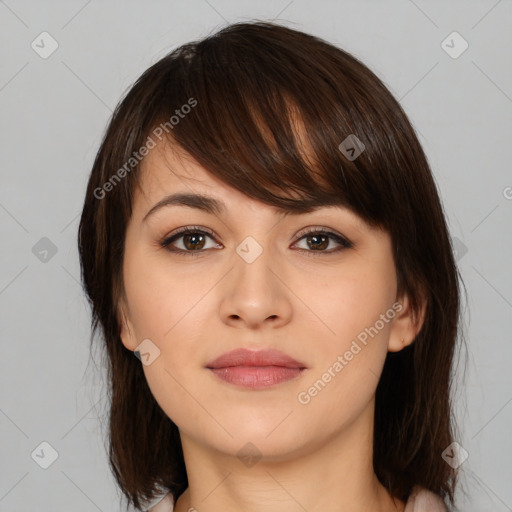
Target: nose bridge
[253,261]
[254,292]
[255,250]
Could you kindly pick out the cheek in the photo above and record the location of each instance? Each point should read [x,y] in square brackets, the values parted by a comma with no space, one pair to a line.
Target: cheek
[345,303]
[166,307]
[351,343]
[159,296]
[175,393]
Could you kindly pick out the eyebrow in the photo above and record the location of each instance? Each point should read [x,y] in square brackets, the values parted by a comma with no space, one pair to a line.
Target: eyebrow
[215,206]
[197,201]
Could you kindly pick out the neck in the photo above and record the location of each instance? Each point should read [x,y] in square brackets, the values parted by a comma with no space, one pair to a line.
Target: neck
[336,474]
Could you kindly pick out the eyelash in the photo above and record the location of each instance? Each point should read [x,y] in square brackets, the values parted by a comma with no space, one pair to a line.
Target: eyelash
[188,230]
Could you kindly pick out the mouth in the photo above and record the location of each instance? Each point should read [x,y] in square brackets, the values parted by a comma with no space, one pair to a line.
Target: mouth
[255,369]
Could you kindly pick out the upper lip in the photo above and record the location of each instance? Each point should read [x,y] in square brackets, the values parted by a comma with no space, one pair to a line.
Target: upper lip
[245,357]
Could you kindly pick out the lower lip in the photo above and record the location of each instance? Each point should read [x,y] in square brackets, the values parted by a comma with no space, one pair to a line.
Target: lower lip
[256,377]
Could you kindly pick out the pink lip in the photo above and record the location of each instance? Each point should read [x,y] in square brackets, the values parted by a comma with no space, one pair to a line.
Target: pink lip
[255,369]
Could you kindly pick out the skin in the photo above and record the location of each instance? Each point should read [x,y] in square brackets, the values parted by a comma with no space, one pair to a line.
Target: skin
[315,456]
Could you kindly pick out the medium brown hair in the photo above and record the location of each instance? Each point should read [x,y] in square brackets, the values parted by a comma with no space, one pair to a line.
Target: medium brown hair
[251,84]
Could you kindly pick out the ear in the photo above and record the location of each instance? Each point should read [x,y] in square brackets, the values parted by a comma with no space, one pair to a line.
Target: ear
[126,331]
[406,325]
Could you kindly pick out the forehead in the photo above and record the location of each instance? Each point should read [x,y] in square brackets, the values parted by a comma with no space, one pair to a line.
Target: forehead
[168,166]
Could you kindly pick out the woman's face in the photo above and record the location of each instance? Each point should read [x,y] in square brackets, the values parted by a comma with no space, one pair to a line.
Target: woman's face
[249,285]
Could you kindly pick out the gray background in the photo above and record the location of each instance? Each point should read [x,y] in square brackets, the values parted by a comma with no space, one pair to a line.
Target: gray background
[54,112]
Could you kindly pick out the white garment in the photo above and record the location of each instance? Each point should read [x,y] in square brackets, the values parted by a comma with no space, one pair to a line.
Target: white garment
[420,500]
[163,504]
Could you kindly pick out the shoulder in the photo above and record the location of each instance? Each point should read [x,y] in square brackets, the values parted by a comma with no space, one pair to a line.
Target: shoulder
[164,504]
[422,500]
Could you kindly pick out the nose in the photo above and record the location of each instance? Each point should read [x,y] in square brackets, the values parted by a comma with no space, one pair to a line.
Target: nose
[255,294]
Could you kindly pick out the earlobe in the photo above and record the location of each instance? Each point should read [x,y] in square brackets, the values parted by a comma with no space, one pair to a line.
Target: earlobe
[125,329]
[406,325]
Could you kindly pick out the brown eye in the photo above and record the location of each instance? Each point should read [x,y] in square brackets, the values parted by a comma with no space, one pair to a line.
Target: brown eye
[188,241]
[318,241]
[193,241]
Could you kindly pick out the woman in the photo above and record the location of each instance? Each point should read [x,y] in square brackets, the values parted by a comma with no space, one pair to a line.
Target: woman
[262,230]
